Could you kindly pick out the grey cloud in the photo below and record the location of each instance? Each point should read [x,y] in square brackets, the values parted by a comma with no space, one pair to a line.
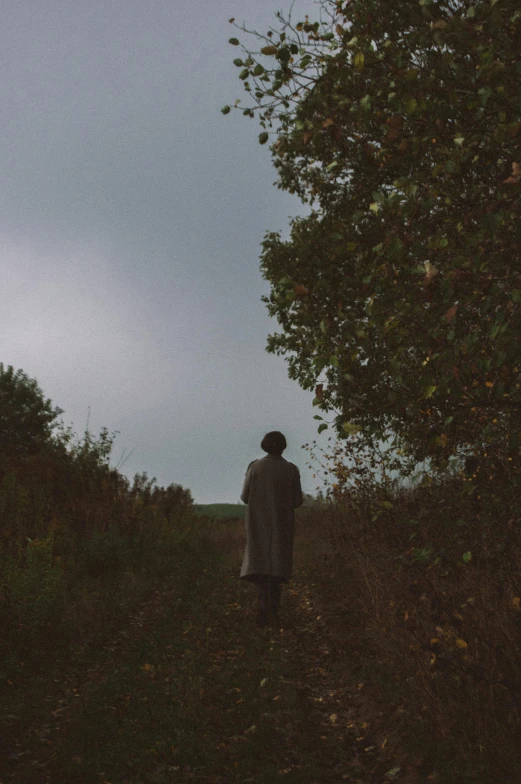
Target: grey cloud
[131,218]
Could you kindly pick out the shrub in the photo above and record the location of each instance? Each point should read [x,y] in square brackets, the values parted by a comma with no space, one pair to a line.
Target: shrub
[33,587]
[107,552]
[74,533]
[424,583]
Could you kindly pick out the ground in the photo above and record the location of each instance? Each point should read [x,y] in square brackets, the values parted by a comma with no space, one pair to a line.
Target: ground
[190,690]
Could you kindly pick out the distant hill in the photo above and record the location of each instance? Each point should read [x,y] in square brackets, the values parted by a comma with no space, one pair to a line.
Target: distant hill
[221,510]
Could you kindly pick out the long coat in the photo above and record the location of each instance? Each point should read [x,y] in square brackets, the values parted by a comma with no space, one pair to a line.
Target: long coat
[272,491]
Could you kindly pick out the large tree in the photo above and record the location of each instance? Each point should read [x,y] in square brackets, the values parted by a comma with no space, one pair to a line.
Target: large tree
[398,123]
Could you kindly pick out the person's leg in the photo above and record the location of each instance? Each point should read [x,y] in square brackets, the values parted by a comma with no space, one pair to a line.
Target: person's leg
[274,594]
[262,586]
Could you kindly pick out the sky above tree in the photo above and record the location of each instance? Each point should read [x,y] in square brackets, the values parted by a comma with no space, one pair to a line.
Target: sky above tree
[130,227]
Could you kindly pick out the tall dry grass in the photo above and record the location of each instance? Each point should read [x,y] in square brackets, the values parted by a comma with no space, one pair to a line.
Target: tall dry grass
[80,544]
[423,588]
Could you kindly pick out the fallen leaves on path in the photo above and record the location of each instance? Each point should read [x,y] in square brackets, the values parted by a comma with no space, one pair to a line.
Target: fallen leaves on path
[190,691]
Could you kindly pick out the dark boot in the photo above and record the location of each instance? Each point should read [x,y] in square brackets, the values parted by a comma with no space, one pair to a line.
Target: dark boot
[262,614]
[274,618]
[275,589]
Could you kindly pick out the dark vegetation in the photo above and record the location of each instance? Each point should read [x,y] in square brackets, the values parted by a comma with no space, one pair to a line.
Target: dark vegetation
[130,653]
[424,585]
[79,543]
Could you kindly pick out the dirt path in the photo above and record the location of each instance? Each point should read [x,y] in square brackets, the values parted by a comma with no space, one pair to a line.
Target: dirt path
[190,691]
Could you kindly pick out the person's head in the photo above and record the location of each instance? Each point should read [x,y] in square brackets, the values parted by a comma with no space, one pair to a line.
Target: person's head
[274,443]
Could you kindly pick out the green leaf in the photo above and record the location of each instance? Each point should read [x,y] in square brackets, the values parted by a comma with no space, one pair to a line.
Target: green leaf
[238,62]
[244,74]
[322,427]
[226,110]
[234,41]
[467,556]
[446,134]
[359,61]
[386,504]
[263,137]
[333,361]
[350,428]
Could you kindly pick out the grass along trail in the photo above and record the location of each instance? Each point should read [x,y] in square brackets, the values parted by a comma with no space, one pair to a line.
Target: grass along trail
[191,690]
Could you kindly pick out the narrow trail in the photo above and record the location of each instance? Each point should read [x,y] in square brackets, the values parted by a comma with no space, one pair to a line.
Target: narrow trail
[190,690]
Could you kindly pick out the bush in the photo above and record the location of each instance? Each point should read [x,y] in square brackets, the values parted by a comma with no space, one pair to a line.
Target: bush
[75,535]
[27,418]
[107,552]
[33,587]
[425,585]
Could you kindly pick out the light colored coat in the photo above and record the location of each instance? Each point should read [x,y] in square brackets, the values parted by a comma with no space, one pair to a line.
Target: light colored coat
[272,491]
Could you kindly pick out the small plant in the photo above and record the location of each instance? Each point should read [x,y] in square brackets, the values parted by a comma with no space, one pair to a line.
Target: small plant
[34,587]
[107,552]
[70,524]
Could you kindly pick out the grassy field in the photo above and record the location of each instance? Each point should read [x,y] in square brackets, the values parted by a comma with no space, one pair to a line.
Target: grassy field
[397,658]
[221,510]
[188,690]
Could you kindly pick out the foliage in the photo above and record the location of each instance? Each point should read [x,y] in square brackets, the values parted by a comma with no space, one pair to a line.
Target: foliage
[88,451]
[69,521]
[430,569]
[27,418]
[107,552]
[399,293]
[34,585]
[349,466]
[166,499]
[402,653]
[421,586]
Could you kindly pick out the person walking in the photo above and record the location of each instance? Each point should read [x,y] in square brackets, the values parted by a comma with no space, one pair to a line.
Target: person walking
[272,491]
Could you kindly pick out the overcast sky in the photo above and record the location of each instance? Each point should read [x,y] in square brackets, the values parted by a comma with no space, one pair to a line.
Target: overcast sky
[130,227]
